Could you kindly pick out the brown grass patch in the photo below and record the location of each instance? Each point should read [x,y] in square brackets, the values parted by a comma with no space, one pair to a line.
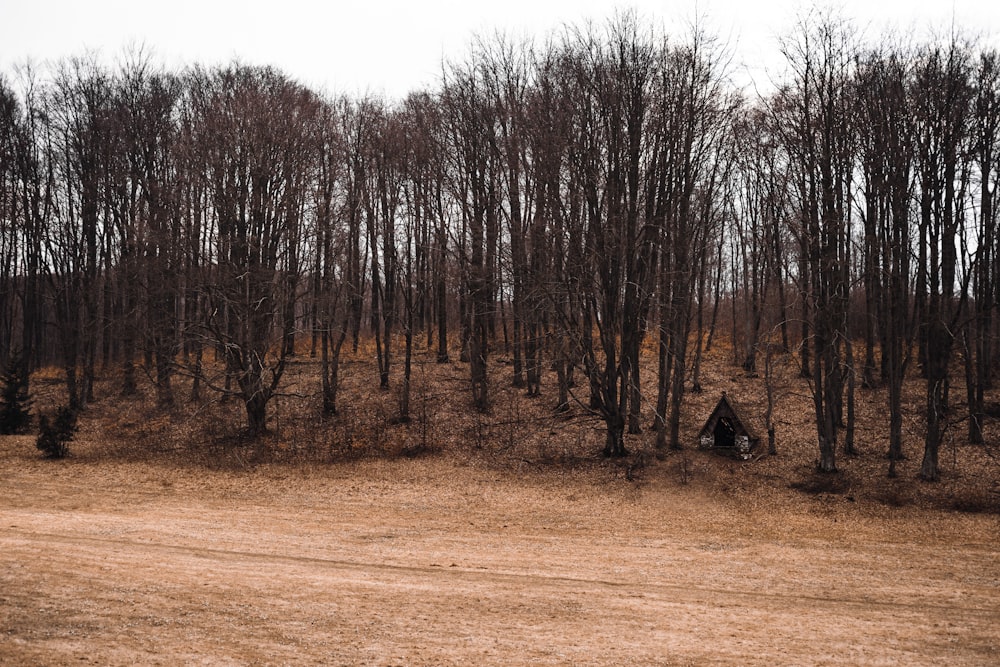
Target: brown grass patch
[525,434]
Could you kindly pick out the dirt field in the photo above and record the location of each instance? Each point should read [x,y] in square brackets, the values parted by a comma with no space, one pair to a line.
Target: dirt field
[445,561]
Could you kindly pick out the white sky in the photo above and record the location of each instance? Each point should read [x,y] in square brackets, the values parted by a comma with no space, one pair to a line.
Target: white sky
[394,46]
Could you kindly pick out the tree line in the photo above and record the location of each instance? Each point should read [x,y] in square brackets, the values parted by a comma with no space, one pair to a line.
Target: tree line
[571,201]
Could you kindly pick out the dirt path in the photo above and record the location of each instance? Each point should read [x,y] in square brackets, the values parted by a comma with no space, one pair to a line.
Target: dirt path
[435,562]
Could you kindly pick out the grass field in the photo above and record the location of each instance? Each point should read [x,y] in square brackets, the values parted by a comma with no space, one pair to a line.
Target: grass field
[443,560]
[459,538]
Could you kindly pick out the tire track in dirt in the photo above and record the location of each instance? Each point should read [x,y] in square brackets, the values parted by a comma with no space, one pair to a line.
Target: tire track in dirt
[426,563]
[678,593]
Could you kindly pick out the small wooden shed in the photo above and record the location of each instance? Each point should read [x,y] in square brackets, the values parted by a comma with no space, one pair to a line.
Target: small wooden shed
[728,431]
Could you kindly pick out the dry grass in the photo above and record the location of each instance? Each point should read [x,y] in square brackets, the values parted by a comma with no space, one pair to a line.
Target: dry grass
[524,434]
[482,539]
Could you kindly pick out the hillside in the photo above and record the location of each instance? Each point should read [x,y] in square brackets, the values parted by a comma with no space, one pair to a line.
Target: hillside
[522,434]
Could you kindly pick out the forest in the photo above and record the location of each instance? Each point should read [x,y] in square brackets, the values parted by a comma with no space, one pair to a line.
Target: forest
[584,205]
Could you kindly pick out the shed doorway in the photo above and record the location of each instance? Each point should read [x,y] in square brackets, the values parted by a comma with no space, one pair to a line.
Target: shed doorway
[725,433]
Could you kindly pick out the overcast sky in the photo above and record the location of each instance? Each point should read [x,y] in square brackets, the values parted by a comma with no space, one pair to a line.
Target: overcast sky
[394,46]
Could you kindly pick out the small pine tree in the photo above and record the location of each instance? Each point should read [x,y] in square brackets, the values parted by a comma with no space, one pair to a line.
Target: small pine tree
[15,402]
[54,436]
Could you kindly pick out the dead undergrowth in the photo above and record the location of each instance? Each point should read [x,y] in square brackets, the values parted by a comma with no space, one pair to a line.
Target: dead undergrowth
[525,436]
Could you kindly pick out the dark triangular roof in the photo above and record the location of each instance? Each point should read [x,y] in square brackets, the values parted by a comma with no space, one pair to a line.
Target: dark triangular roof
[726,407]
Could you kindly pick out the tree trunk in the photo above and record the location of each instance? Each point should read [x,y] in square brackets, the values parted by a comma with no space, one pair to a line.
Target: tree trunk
[256,407]
[614,444]
[404,393]
[849,447]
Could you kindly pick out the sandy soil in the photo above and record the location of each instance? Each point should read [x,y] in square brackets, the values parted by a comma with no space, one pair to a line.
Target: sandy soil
[446,561]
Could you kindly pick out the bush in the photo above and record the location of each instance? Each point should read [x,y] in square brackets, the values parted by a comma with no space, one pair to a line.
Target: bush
[54,436]
[15,403]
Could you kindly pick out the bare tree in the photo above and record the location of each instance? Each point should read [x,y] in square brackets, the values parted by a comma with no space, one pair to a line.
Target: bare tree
[331,272]
[470,125]
[77,104]
[886,158]
[11,229]
[254,129]
[612,81]
[986,148]
[818,137]
[141,190]
[942,97]
[698,113]
[762,183]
